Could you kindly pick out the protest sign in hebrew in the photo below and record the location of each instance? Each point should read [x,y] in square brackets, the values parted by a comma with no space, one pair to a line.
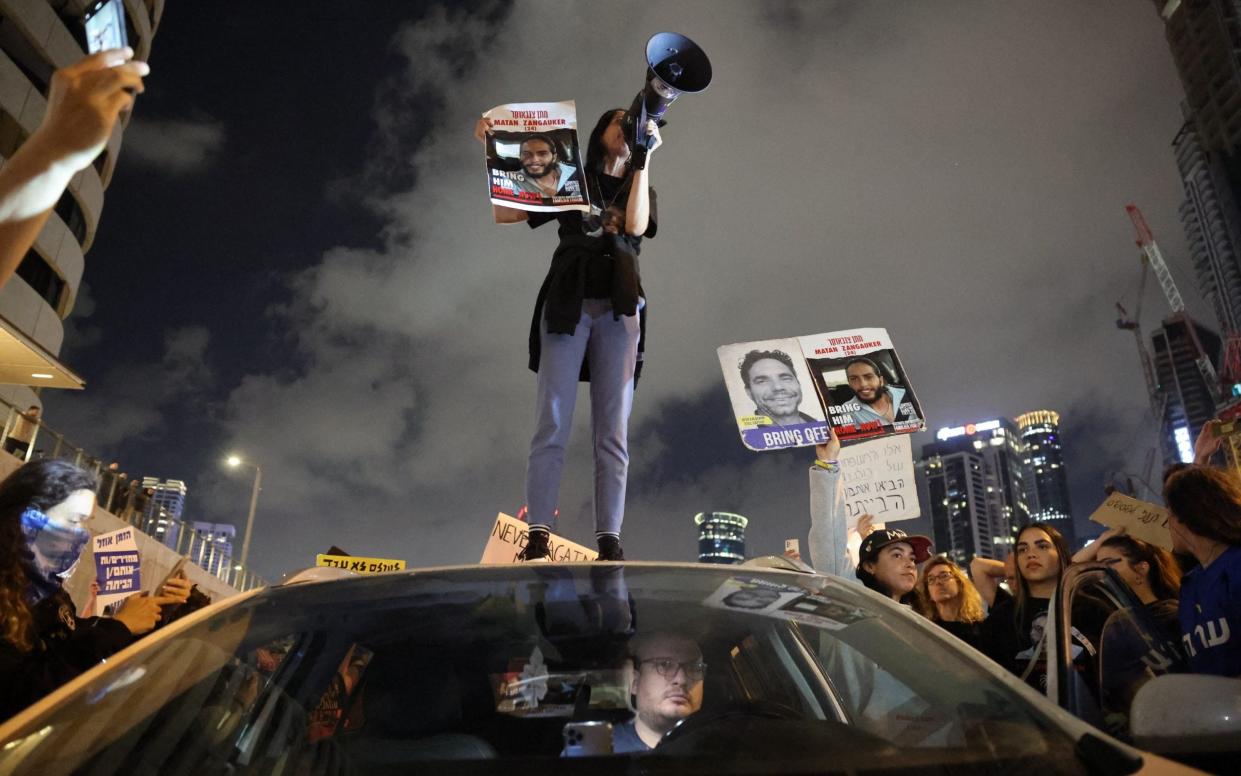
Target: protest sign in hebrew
[878,478]
[786,392]
[533,158]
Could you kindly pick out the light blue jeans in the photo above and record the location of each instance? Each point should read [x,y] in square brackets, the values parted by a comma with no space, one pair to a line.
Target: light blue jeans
[610,347]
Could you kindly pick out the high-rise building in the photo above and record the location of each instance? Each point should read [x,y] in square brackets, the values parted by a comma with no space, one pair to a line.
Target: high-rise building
[1189,402]
[955,490]
[211,547]
[1204,37]
[721,537]
[998,445]
[1209,216]
[164,507]
[36,38]
[1047,484]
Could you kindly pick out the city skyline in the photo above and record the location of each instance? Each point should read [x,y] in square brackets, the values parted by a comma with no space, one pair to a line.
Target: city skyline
[921,183]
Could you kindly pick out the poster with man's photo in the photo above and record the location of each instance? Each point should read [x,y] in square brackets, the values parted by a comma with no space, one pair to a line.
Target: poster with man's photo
[773,395]
[861,383]
[786,392]
[533,157]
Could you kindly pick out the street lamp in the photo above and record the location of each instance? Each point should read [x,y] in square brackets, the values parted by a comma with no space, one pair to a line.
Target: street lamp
[235,461]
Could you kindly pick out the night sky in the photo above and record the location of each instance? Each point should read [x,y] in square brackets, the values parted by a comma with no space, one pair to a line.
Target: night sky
[296,258]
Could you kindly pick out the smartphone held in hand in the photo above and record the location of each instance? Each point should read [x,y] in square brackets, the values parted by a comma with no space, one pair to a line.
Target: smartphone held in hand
[105,26]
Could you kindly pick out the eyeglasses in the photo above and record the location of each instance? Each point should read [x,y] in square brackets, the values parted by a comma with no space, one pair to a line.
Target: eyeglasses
[667,667]
[939,579]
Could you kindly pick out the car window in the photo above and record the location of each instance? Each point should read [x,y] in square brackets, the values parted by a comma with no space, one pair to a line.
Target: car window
[494,665]
[1131,644]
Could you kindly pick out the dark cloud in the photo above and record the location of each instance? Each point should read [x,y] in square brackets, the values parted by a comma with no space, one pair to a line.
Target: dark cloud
[176,147]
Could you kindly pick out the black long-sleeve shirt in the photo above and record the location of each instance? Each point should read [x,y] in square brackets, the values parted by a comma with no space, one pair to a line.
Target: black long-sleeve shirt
[65,645]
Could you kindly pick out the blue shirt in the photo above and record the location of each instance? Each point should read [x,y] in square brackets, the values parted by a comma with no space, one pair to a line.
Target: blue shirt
[1210,615]
[625,739]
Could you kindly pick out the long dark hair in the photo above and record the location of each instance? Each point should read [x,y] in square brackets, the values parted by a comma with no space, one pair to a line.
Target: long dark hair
[41,485]
[1022,595]
[1164,576]
[870,580]
[1207,501]
[595,152]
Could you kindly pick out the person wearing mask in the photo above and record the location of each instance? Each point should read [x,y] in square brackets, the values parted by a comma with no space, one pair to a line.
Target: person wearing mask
[44,506]
[588,325]
[1149,571]
[1204,518]
[889,563]
[947,598]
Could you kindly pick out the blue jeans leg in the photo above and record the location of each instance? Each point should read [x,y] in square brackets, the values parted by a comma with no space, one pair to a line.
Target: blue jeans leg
[613,353]
[560,363]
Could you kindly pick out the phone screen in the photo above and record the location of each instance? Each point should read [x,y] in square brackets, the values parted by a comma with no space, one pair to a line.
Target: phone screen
[105,26]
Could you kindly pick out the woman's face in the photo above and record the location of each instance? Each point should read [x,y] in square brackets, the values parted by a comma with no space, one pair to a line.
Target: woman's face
[941,584]
[614,137]
[74,511]
[895,569]
[1037,558]
[1134,576]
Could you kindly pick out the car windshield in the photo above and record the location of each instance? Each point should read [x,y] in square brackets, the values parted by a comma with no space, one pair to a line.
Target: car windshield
[497,668]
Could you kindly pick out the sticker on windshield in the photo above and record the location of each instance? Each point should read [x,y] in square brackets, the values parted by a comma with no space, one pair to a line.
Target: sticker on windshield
[752,595]
[786,602]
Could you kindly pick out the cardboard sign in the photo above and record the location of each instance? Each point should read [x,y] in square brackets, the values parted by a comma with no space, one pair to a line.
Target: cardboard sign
[508,539]
[360,565]
[117,566]
[878,478]
[1141,519]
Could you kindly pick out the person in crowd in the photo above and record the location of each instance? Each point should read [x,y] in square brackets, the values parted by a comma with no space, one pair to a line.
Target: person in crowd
[1014,628]
[666,688]
[889,563]
[829,531]
[948,598]
[988,574]
[588,324]
[44,506]
[1204,517]
[21,437]
[772,385]
[83,104]
[1149,571]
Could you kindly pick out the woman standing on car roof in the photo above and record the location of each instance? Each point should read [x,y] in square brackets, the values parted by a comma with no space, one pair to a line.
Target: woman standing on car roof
[1204,517]
[588,325]
[44,506]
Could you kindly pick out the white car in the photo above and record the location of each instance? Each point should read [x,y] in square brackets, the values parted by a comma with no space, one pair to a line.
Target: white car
[486,669]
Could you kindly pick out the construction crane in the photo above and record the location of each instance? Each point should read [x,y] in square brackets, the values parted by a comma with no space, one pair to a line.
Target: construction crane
[1154,258]
[1123,321]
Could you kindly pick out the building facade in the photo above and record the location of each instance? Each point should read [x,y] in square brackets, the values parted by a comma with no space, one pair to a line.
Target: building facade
[1188,399]
[1047,484]
[721,537]
[211,547]
[955,490]
[36,38]
[164,506]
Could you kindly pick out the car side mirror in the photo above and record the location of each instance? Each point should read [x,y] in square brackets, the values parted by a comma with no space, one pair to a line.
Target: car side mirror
[1187,713]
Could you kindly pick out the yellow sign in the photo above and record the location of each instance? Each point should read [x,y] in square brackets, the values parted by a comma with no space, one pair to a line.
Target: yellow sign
[360,565]
[1141,519]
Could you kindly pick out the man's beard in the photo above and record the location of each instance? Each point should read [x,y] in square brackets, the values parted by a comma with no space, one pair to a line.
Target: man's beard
[546,171]
[879,394]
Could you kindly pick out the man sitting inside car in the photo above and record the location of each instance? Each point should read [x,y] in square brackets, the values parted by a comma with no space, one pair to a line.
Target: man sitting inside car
[666,688]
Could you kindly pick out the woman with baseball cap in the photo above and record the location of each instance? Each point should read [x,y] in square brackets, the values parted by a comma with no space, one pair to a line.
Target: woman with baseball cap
[888,563]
